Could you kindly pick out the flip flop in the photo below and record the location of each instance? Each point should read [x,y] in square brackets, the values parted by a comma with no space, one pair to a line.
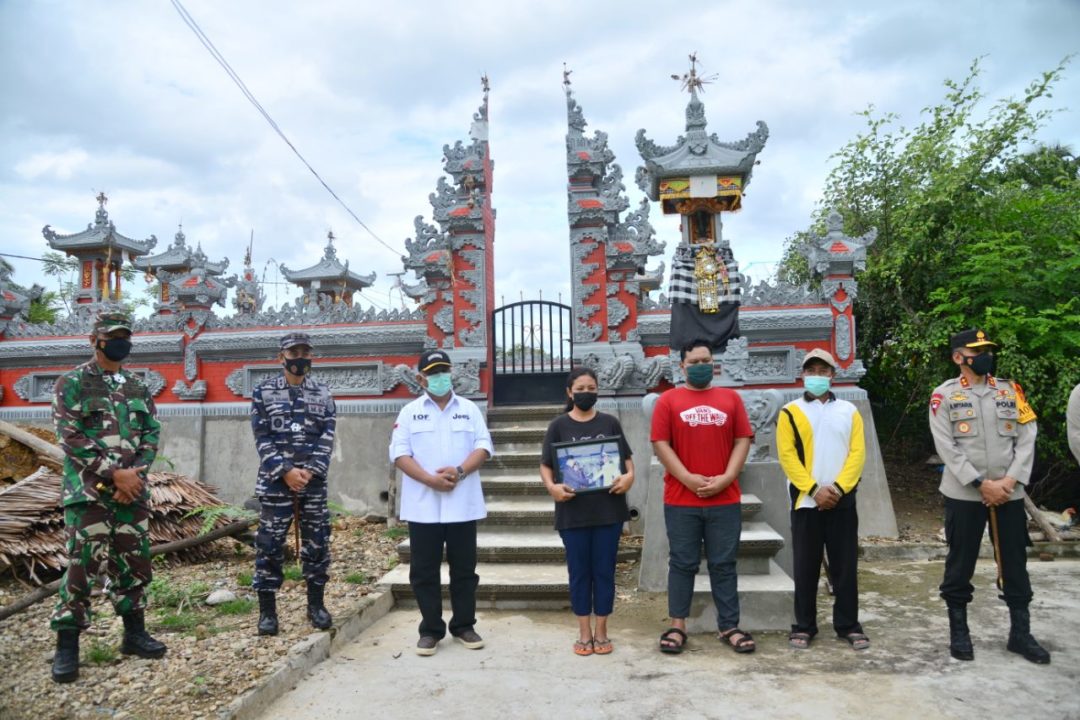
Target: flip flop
[602,647]
[584,649]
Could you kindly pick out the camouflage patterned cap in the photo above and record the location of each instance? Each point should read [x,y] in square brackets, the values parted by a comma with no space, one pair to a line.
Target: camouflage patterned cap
[108,322]
[295,338]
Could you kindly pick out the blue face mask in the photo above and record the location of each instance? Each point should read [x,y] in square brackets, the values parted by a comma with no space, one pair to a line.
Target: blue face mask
[816,385]
[699,375]
[440,384]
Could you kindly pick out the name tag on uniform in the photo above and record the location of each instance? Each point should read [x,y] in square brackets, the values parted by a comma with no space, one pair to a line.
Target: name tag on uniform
[276,396]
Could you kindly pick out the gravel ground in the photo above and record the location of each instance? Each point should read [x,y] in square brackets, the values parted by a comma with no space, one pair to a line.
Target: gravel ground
[214,653]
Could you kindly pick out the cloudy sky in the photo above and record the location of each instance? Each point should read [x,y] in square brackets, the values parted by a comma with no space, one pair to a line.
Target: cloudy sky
[119,95]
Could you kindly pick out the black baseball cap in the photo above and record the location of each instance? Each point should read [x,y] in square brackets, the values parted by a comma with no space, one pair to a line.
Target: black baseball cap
[433,361]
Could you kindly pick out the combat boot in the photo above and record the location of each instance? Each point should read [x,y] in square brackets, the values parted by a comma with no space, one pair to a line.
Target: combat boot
[316,611]
[268,624]
[136,640]
[65,664]
[959,637]
[1020,639]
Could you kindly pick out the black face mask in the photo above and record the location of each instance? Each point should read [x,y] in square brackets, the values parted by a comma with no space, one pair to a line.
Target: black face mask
[585,400]
[298,366]
[115,349]
[982,364]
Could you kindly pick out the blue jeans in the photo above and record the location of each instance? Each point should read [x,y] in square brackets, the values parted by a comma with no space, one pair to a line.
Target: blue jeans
[718,527]
[590,560]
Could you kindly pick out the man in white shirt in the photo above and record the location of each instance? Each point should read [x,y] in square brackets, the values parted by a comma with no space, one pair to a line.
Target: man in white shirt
[820,444]
[439,442]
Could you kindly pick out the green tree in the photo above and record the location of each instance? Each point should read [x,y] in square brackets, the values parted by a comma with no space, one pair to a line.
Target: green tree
[975,228]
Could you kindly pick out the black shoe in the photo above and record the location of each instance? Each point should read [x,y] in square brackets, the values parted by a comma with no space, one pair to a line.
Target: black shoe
[470,639]
[268,624]
[136,640]
[960,646]
[1020,639]
[65,664]
[426,645]
[316,611]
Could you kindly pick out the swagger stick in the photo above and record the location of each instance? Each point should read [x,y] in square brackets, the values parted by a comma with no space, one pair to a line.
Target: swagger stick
[995,539]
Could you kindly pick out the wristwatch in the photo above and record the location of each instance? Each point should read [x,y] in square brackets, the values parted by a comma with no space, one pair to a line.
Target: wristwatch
[977,482]
[460,471]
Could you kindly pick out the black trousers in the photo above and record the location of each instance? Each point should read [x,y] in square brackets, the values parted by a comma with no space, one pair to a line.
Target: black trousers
[813,533]
[965,522]
[427,541]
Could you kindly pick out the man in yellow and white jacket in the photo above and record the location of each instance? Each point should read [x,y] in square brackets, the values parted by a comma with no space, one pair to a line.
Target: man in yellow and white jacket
[822,451]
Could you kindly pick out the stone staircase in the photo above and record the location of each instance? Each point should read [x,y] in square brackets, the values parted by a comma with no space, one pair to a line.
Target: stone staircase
[521,562]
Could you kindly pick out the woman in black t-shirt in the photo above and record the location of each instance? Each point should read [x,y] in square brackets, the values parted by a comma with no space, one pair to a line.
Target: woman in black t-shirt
[589,523]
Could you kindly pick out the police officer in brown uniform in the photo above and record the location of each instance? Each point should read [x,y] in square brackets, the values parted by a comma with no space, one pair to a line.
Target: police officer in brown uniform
[984,431]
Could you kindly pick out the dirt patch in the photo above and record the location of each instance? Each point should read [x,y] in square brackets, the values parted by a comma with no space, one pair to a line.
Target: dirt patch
[214,653]
[917,503]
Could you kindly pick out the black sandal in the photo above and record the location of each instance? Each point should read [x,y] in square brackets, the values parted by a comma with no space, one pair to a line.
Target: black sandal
[745,644]
[857,640]
[667,641]
[800,640]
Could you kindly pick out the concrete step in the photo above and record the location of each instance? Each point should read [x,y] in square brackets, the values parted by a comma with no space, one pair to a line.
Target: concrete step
[527,484]
[517,437]
[521,510]
[765,602]
[507,586]
[508,545]
[515,459]
[523,416]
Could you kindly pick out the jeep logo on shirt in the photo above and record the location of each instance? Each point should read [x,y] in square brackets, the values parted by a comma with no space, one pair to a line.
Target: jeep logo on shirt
[703,415]
[459,416]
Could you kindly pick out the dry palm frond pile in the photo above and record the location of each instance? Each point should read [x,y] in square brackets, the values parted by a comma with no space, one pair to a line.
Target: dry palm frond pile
[32,537]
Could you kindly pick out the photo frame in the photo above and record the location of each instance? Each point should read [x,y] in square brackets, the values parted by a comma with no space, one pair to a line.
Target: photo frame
[589,465]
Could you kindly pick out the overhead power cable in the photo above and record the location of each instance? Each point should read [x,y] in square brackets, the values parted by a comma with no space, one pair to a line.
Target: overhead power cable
[190,22]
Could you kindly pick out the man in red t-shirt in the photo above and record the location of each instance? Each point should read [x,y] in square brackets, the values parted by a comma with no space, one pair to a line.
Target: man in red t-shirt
[702,435]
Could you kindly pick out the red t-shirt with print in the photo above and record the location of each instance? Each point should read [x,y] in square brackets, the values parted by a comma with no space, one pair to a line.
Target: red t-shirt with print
[701,426]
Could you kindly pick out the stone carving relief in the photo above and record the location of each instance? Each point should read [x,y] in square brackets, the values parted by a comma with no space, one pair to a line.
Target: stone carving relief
[843,337]
[197,391]
[762,406]
[466,377]
[444,319]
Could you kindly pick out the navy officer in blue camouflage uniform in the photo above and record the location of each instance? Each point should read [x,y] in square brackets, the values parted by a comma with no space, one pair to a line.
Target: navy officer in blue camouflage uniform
[293,418]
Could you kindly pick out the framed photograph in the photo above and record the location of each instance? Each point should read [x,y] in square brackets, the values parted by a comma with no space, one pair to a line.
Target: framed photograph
[589,465]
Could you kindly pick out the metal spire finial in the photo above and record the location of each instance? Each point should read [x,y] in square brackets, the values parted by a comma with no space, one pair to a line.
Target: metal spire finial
[690,81]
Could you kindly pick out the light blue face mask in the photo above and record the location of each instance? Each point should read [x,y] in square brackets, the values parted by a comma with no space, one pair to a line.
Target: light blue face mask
[816,385]
[440,384]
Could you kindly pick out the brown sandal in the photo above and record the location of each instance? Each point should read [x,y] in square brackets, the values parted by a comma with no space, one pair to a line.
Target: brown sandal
[744,644]
[671,644]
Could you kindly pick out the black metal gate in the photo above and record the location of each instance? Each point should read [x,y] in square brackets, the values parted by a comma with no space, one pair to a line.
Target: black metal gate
[533,345]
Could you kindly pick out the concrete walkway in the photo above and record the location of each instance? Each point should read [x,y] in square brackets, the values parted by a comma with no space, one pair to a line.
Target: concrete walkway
[528,670]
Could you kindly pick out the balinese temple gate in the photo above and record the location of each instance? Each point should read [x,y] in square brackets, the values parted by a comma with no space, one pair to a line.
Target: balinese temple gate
[626,321]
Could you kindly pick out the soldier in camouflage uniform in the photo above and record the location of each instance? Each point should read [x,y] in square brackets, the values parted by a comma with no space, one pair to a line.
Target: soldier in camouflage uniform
[105,422]
[293,418]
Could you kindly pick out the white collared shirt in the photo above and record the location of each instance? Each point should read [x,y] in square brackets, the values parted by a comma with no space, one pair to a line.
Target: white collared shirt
[440,438]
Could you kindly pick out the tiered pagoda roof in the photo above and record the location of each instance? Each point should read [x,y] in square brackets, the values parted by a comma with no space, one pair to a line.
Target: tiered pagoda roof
[100,235]
[181,257]
[329,269]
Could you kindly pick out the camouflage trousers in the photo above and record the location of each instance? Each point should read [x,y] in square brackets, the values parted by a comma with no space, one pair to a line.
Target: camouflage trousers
[103,537]
[275,519]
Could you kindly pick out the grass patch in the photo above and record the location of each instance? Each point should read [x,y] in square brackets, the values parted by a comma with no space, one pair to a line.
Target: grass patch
[164,593]
[392,562]
[398,531]
[239,606]
[356,578]
[182,621]
[99,653]
[244,578]
[337,508]
[292,572]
